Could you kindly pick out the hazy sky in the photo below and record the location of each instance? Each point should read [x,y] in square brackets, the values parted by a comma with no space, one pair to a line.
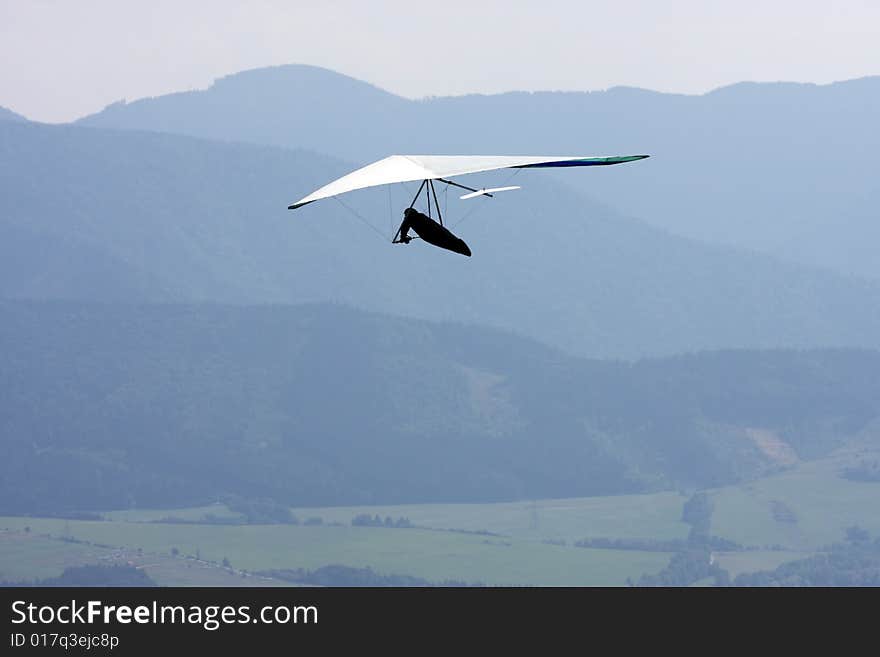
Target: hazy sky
[61,59]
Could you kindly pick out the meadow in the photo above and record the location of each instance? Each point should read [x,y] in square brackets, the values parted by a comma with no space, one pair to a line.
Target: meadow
[430,554]
[805,508]
[779,518]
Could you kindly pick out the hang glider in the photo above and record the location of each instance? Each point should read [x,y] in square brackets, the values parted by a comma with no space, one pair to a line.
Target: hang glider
[408,168]
[428,168]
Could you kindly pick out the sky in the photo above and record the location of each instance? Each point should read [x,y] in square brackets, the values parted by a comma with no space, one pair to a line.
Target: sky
[63,59]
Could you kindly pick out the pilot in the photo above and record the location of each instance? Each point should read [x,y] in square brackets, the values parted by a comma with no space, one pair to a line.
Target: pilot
[430,231]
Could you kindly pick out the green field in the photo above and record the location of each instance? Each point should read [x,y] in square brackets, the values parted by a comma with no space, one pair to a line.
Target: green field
[823,505]
[656,515]
[433,555]
[29,556]
[754,560]
[515,554]
[25,556]
[619,516]
[799,511]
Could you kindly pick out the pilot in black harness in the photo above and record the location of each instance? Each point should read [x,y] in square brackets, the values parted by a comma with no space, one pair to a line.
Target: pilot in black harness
[433,232]
[430,231]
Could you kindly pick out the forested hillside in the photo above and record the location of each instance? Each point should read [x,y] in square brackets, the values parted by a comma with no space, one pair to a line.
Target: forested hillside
[114,406]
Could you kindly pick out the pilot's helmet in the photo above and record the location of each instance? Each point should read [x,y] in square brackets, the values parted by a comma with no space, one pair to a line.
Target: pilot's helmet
[409,211]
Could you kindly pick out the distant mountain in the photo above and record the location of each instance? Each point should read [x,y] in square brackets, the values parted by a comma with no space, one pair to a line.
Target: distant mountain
[115,405]
[9,115]
[788,169]
[104,215]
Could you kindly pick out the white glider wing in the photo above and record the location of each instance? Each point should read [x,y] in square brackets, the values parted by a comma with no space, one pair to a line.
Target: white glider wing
[406,168]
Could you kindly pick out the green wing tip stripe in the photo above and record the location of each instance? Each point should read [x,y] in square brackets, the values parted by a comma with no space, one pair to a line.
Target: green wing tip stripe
[582,162]
[625,158]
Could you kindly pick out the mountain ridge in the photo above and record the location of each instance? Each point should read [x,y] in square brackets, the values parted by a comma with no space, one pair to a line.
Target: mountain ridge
[7,114]
[314,70]
[762,159]
[197,220]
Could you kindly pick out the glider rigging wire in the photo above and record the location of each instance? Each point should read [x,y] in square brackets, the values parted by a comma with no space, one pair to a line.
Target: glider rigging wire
[361,217]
